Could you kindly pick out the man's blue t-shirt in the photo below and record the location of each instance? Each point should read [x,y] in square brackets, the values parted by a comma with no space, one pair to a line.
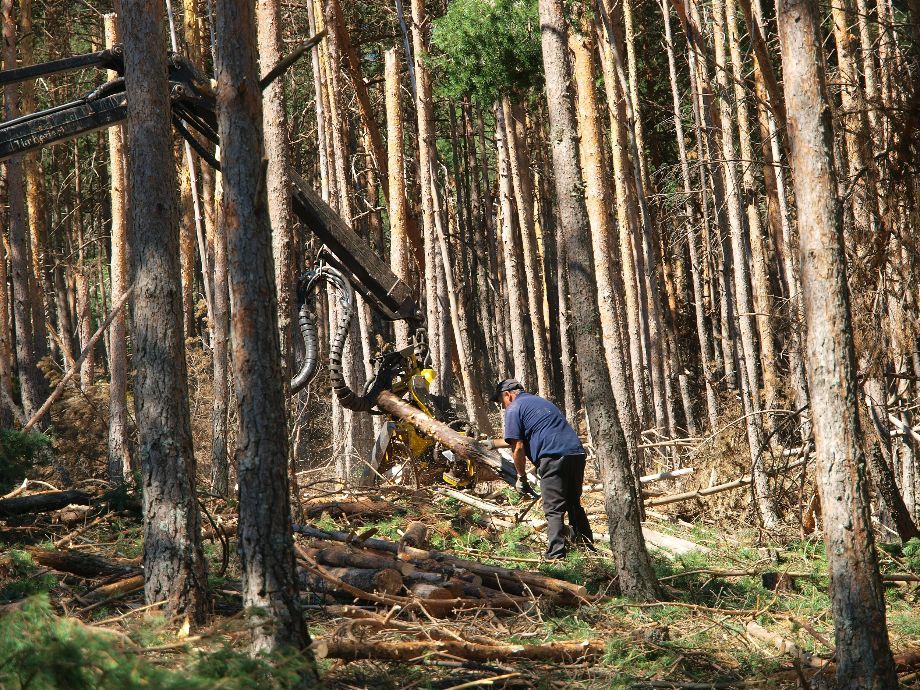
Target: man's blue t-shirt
[542,428]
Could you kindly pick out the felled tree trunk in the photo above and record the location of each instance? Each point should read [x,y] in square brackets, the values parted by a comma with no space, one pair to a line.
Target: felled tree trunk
[43,502]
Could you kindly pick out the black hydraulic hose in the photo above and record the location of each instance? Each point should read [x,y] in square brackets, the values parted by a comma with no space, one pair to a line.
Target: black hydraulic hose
[346,294]
[310,341]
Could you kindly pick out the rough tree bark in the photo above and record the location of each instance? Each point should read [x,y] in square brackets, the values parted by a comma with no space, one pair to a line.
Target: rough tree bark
[220,342]
[863,655]
[174,566]
[637,578]
[265,539]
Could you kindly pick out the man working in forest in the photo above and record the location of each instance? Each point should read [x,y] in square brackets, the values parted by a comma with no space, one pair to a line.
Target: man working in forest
[535,428]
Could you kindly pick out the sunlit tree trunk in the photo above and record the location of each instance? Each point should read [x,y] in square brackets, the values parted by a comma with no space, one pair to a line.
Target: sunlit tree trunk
[518,165]
[637,578]
[399,243]
[863,654]
[119,458]
[278,152]
[606,267]
[514,288]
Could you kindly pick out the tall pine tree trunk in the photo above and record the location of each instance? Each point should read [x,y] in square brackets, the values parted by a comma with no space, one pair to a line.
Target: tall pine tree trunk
[174,566]
[400,256]
[31,381]
[265,539]
[863,655]
[637,578]
[119,457]
[278,152]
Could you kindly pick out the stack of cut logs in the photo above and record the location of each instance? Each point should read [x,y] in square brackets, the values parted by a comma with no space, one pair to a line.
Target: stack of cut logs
[338,566]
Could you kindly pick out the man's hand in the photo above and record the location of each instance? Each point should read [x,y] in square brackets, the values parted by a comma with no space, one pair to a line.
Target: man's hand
[523,487]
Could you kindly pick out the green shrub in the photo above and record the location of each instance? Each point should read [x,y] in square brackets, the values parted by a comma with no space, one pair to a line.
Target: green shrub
[18,452]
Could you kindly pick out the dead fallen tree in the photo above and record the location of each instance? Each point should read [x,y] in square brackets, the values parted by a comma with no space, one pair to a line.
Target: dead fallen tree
[43,502]
[82,564]
[407,651]
[699,493]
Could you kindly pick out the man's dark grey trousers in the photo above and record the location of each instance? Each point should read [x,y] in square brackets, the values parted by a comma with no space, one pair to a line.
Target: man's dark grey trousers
[560,485]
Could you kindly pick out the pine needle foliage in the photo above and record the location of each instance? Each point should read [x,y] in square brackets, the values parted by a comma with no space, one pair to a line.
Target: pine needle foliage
[487,48]
[41,651]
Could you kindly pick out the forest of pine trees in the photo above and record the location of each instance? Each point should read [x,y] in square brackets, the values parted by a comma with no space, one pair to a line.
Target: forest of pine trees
[693,226]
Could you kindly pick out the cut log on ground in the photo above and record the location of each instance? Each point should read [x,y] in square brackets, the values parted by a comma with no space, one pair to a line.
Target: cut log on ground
[436,600]
[417,650]
[43,502]
[416,535]
[344,557]
[385,581]
[783,645]
[82,564]
[672,544]
[119,588]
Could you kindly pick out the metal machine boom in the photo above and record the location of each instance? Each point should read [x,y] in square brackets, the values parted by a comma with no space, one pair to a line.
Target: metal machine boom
[346,262]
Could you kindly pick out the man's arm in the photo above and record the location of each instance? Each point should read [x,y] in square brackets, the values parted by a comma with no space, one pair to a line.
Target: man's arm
[496,443]
[519,457]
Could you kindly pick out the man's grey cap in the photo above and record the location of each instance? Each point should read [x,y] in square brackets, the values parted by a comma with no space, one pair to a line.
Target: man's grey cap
[506,385]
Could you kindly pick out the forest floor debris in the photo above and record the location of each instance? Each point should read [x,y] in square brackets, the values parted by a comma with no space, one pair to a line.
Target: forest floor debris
[437,592]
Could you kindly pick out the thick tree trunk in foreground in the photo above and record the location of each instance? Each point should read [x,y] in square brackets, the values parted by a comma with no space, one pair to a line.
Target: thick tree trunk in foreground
[637,578]
[119,463]
[174,565]
[863,655]
[265,541]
